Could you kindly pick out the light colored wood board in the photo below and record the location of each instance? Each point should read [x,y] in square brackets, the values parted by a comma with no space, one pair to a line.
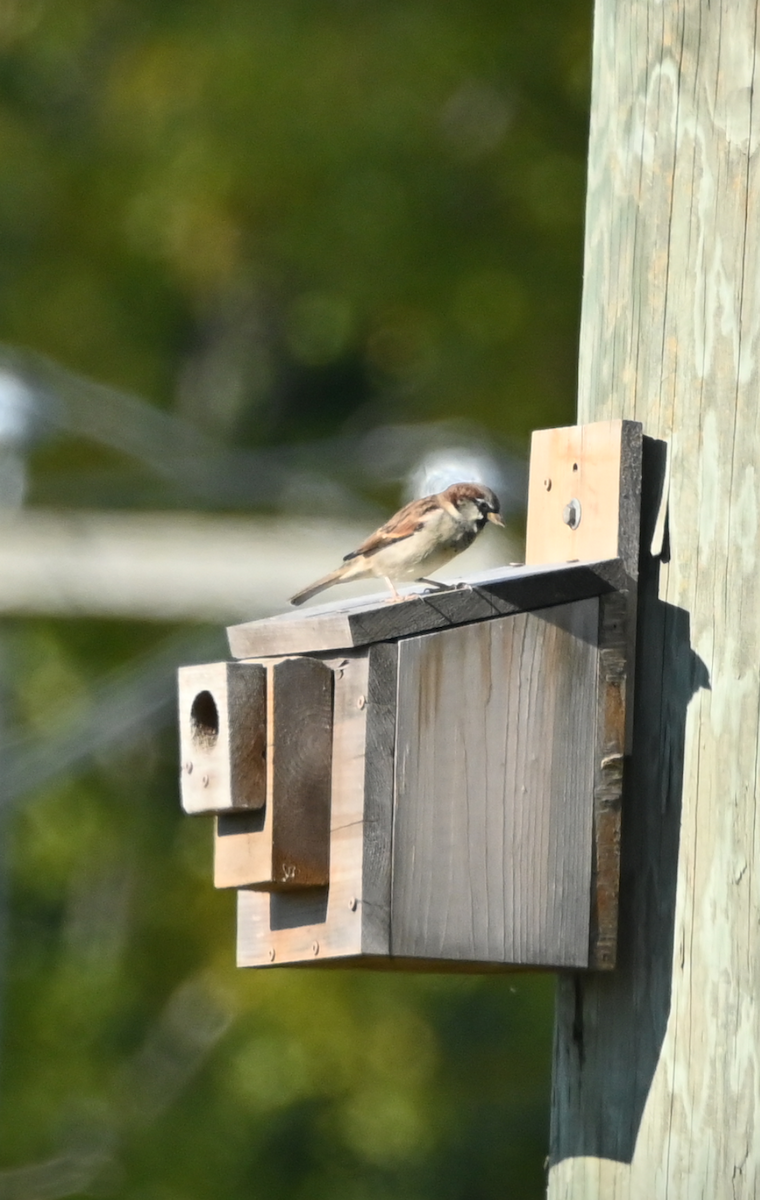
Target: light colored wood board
[494,790]
[288,925]
[242,848]
[656,1066]
[302,704]
[378,798]
[490,594]
[599,467]
[222,726]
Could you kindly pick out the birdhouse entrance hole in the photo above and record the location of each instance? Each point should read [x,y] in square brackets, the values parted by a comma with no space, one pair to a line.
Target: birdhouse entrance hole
[204,720]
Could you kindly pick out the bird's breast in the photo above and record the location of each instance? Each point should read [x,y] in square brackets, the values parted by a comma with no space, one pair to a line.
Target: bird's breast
[435,544]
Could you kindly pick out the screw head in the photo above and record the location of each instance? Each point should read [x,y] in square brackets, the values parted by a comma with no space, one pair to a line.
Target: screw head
[548,484]
[360,703]
[204,781]
[315,947]
[352,904]
[271,953]
[189,768]
[571,514]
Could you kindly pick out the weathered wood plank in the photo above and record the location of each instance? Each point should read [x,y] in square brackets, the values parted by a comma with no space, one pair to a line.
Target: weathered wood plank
[598,468]
[609,758]
[222,727]
[287,843]
[319,924]
[302,710]
[656,1066]
[242,856]
[344,624]
[492,852]
[379,778]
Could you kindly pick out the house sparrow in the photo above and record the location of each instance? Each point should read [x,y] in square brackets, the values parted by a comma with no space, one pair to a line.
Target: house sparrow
[423,536]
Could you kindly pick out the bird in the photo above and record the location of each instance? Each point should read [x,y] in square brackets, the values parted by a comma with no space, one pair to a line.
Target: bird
[422,537]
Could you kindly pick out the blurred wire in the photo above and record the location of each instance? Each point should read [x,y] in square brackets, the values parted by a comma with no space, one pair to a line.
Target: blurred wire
[172,448]
[331,475]
[67,1174]
[179,566]
[192,1022]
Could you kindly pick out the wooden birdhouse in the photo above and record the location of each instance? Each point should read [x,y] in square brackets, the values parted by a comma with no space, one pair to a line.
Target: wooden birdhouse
[437,783]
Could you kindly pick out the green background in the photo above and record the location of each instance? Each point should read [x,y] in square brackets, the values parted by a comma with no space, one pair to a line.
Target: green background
[287,223]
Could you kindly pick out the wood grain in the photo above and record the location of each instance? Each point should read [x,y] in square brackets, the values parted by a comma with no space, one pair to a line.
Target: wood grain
[379,777]
[302,710]
[609,759]
[285,927]
[287,844]
[599,466]
[223,729]
[345,624]
[494,790]
[656,1067]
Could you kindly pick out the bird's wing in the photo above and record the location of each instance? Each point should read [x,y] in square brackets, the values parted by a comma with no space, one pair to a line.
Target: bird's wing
[407,521]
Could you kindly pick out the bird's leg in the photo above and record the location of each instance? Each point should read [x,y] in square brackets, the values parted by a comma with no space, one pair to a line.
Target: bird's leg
[394,599]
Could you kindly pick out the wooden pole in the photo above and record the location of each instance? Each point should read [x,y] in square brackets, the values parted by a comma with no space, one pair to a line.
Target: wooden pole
[656,1073]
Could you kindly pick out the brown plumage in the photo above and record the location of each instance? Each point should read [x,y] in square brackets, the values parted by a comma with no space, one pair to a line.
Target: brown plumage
[421,538]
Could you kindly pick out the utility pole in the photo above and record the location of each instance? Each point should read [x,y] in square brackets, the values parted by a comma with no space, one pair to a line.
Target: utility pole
[656,1093]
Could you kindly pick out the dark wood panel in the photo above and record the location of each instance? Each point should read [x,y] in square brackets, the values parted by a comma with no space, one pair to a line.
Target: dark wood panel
[302,710]
[494,790]
[246,707]
[609,761]
[490,594]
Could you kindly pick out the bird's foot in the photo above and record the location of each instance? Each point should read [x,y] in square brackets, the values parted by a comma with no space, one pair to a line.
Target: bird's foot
[434,585]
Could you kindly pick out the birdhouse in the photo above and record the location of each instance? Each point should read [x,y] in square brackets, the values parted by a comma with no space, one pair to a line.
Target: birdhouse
[436,783]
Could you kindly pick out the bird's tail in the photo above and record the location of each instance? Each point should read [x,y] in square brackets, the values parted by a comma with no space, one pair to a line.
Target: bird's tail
[325,582]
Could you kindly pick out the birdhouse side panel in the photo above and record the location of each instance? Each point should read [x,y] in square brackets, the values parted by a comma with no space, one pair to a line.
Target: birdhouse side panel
[492,839]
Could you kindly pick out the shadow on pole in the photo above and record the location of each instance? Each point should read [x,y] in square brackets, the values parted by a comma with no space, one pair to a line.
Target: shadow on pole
[610,1028]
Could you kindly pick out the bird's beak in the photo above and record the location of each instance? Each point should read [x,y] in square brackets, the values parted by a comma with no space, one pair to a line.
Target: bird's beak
[492,516]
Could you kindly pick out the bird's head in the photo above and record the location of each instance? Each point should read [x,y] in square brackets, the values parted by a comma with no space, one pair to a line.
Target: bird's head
[474,503]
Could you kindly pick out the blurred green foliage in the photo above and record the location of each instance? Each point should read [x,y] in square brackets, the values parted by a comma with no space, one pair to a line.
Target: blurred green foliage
[229,205]
[282,219]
